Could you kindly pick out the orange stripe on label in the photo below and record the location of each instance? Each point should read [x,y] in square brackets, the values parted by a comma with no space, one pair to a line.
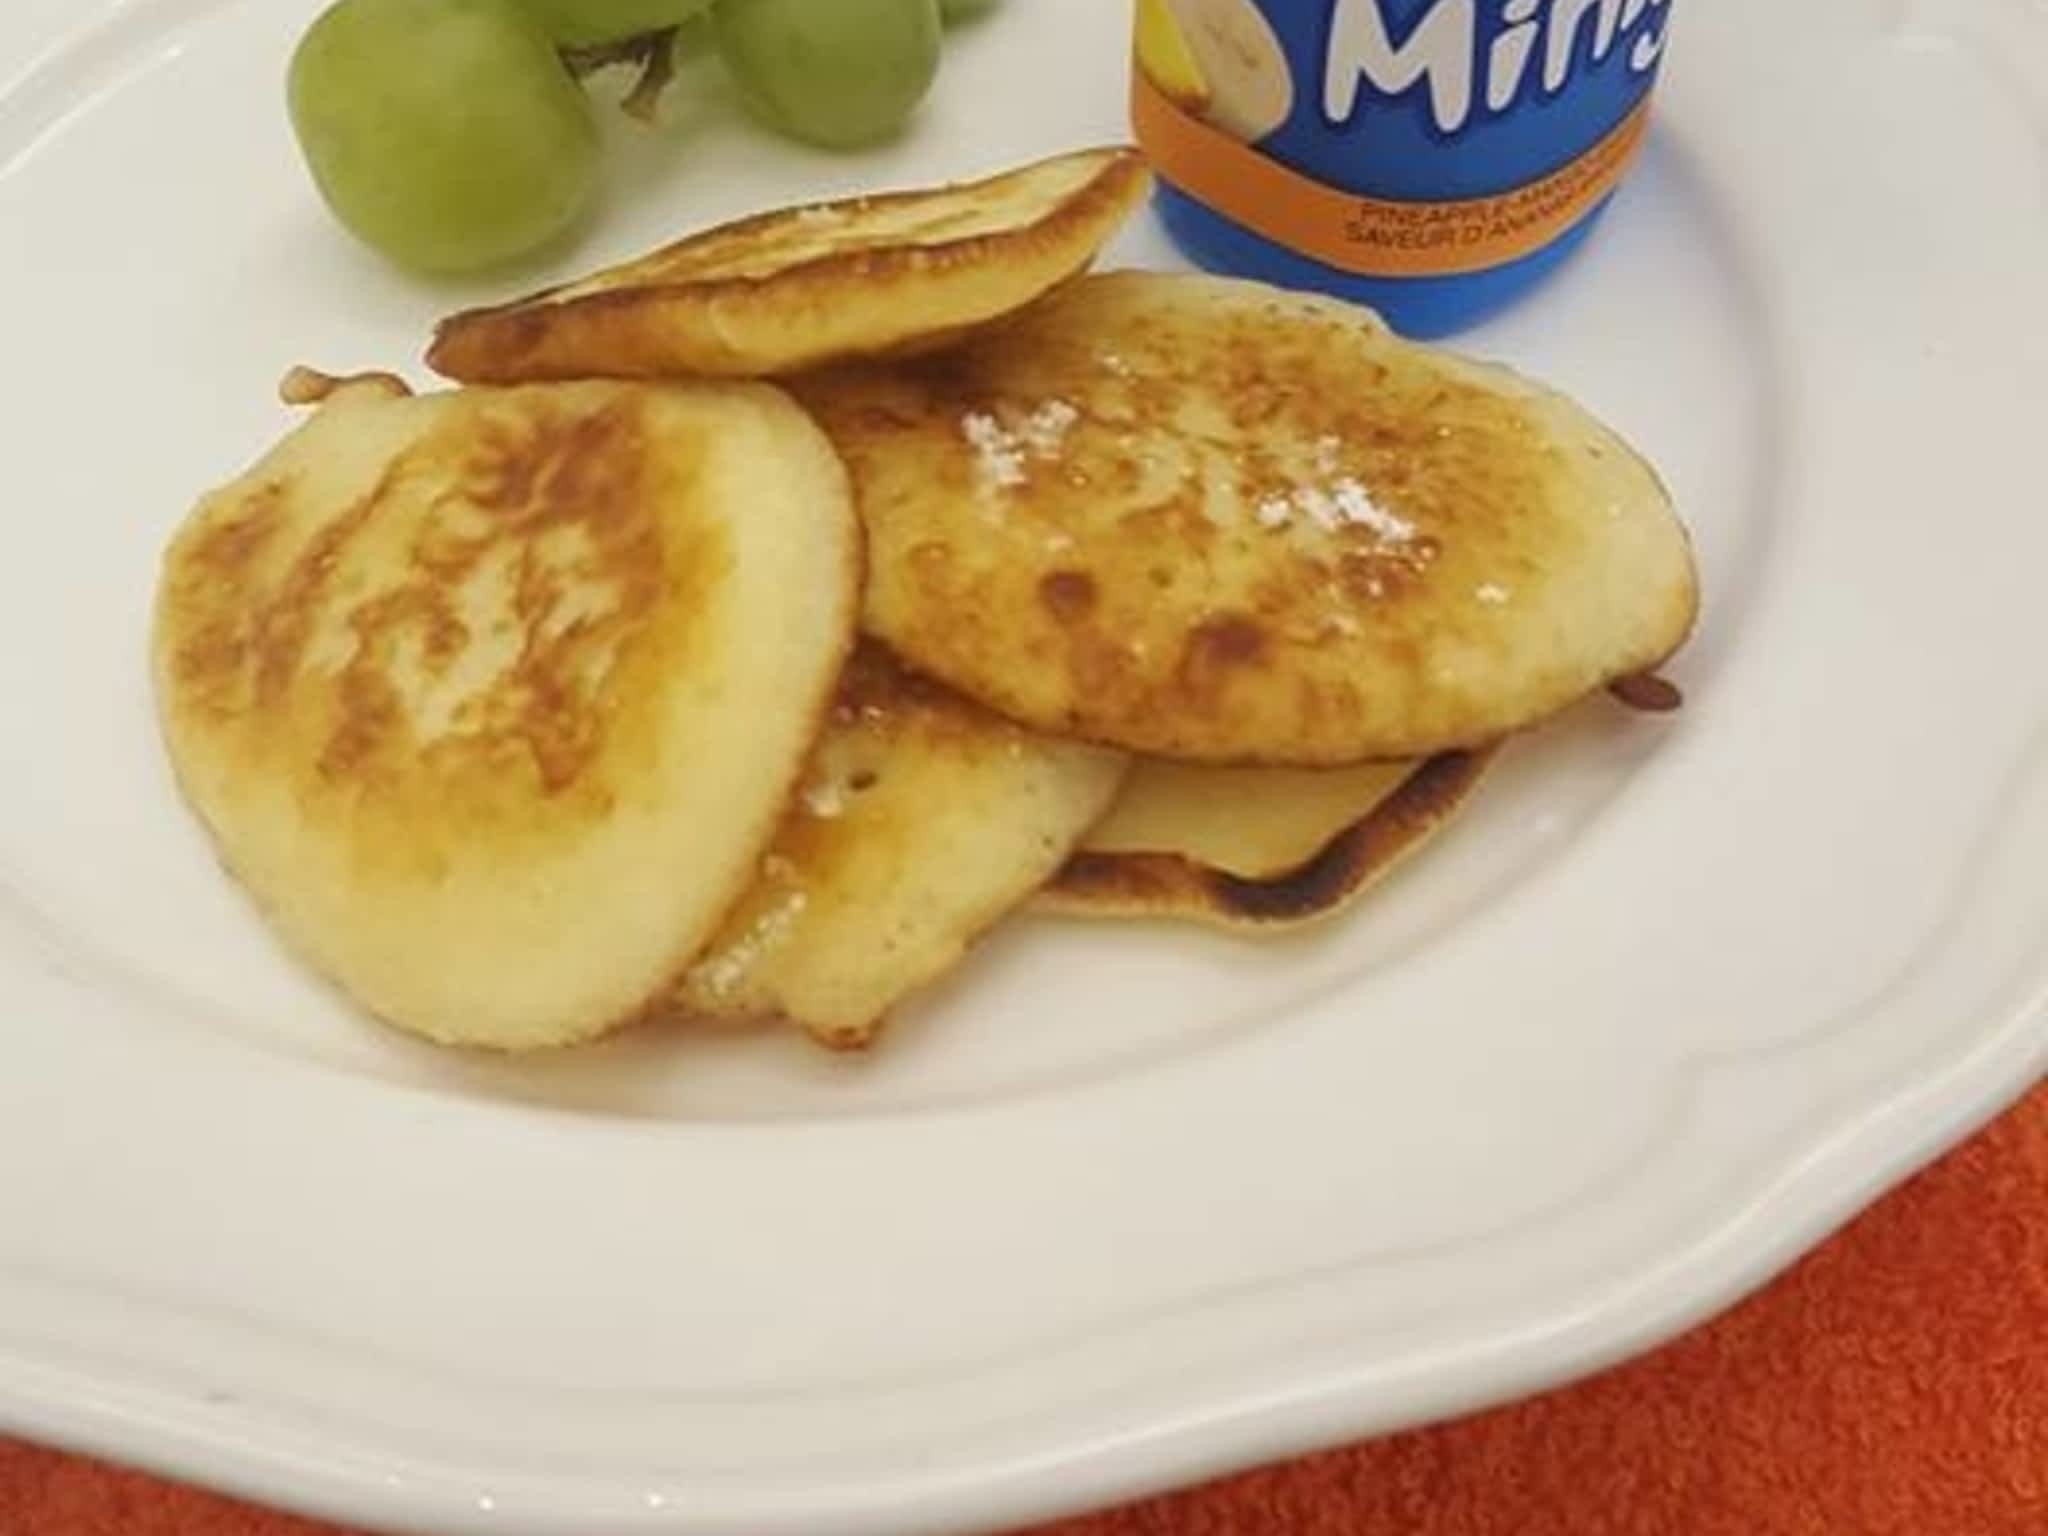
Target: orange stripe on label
[1365,236]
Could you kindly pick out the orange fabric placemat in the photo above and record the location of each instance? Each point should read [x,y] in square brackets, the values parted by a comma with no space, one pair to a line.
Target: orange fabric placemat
[1894,1384]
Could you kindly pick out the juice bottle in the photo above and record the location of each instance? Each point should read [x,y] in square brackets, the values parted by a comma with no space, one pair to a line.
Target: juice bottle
[1434,159]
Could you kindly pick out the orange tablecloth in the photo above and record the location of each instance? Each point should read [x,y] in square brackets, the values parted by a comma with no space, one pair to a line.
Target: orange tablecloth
[1895,1384]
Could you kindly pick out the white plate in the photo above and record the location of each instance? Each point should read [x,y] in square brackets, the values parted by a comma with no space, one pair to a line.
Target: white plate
[1119,1209]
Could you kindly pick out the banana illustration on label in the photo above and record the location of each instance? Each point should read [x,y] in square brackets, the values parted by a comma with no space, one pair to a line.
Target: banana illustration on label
[1218,60]
[1164,54]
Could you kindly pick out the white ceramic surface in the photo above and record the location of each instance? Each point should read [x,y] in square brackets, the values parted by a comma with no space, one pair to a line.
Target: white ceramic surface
[1119,1208]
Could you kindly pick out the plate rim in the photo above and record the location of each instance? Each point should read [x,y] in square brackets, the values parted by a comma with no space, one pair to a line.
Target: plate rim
[1865,1152]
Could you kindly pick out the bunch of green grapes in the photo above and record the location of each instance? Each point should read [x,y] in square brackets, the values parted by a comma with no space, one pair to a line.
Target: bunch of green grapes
[453,135]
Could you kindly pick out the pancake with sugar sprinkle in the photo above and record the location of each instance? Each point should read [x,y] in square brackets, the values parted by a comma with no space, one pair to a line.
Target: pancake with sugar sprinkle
[1210,520]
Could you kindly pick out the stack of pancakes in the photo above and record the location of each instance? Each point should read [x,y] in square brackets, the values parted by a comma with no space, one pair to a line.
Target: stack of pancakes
[763,621]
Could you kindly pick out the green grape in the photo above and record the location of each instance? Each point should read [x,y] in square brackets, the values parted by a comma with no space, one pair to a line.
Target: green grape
[841,73]
[951,11]
[593,23]
[695,36]
[444,133]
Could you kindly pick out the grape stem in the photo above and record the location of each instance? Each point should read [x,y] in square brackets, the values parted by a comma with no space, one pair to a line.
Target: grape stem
[653,52]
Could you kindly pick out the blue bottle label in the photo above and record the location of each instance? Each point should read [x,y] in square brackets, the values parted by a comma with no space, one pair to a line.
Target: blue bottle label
[1398,138]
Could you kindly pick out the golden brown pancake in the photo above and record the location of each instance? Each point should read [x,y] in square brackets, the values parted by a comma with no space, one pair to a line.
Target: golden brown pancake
[1215,521]
[1176,856]
[792,289]
[492,699]
[923,820]
[1249,822]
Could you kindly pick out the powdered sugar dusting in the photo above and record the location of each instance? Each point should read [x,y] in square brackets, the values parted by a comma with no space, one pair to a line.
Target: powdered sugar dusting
[825,799]
[1004,455]
[723,973]
[1494,595]
[1046,428]
[998,455]
[1342,503]
[1356,508]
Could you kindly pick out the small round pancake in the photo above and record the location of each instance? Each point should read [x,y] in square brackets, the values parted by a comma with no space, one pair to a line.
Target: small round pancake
[1170,851]
[1250,822]
[922,821]
[792,289]
[1211,520]
[492,699]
